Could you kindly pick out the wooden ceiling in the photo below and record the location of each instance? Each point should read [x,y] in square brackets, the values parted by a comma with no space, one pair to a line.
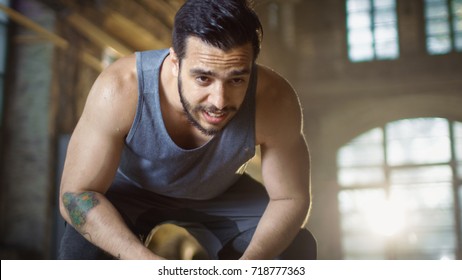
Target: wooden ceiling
[121,25]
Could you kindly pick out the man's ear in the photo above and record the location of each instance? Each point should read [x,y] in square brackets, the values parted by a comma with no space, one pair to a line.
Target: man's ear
[175,62]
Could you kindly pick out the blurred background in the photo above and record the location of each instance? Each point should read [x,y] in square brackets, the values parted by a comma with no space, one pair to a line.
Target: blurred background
[380,82]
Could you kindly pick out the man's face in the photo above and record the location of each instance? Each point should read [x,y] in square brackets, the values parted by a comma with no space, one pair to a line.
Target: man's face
[212,83]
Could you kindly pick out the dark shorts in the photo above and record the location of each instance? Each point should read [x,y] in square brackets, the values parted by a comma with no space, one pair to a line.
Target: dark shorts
[223,225]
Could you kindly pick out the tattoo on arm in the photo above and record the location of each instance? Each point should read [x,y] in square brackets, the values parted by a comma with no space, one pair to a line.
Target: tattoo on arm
[78,206]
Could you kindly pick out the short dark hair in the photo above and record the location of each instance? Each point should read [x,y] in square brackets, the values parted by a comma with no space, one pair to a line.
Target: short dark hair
[224,24]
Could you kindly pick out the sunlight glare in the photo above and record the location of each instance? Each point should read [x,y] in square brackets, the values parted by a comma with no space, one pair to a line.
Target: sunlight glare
[386,218]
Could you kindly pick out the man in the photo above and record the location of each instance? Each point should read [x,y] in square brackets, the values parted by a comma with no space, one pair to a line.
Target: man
[164,137]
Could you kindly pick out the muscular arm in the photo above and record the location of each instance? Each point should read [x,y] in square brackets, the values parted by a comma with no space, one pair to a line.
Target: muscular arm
[92,159]
[285,169]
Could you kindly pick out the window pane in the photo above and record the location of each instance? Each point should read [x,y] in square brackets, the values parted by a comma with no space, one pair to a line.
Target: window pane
[418,141]
[384,4]
[457,24]
[439,44]
[458,140]
[359,37]
[359,20]
[457,9]
[385,17]
[357,200]
[437,11]
[418,128]
[421,174]
[366,149]
[460,198]
[360,155]
[458,42]
[358,208]
[386,33]
[419,151]
[387,50]
[423,220]
[358,5]
[429,245]
[372,136]
[357,177]
[357,155]
[361,53]
[435,196]
[437,27]
[363,247]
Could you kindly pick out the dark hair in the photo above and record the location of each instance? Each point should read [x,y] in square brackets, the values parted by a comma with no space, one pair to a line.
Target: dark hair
[221,23]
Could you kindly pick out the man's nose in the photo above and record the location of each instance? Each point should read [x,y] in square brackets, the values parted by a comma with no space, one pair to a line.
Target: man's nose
[217,96]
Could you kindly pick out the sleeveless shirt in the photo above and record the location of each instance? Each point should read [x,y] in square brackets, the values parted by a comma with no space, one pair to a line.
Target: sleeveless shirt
[152,161]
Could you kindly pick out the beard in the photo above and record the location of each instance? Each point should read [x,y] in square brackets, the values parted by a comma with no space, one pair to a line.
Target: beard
[189,110]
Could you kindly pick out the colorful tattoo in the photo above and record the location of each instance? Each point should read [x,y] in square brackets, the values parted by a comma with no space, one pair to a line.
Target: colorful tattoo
[78,206]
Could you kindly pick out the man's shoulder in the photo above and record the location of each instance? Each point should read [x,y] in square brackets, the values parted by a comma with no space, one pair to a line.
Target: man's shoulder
[272,86]
[121,71]
[278,106]
[117,81]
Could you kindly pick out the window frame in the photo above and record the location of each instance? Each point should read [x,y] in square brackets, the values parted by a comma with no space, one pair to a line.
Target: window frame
[455,184]
[449,20]
[371,28]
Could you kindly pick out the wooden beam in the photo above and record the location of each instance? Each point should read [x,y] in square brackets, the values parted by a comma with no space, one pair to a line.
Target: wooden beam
[161,8]
[24,21]
[175,4]
[129,31]
[97,35]
[58,41]
[135,25]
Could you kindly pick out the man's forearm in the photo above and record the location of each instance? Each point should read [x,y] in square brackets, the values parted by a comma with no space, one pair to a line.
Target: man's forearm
[277,228]
[98,221]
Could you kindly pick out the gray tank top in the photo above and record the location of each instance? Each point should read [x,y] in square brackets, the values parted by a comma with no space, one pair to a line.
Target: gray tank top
[152,161]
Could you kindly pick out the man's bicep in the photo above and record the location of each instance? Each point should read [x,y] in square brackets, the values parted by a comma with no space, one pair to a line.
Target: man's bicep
[94,149]
[91,160]
[286,169]
[97,142]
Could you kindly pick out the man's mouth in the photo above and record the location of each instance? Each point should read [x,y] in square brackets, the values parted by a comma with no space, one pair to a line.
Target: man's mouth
[214,117]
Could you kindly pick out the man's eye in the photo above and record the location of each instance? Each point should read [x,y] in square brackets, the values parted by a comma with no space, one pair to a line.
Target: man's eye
[237,81]
[202,79]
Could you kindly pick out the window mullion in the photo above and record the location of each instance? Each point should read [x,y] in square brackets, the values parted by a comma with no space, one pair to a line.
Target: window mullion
[455,189]
[451,25]
[386,166]
[374,49]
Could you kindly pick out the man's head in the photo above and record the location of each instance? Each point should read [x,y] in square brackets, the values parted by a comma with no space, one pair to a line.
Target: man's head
[215,44]
[224,24]
[212,83]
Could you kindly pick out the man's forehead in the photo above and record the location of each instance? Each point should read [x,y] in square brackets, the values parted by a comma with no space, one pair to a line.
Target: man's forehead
[231,72]
[196,49]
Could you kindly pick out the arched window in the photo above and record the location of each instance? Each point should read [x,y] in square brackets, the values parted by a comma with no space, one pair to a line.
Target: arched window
[401,191]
